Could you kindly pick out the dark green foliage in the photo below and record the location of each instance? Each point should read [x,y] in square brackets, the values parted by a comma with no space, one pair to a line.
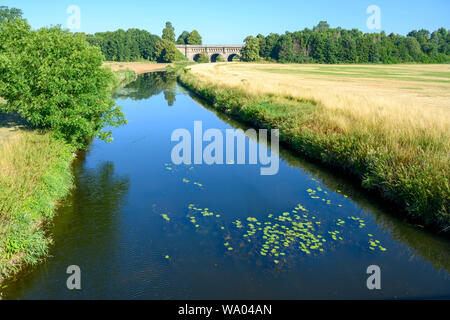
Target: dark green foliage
[193,38]
[327,45]
[183,38]
[55,80]
[137,45]
[130,45]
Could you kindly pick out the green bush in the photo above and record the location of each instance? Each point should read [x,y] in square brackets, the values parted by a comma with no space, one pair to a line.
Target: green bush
[203,58]
[166,51]
[55,80]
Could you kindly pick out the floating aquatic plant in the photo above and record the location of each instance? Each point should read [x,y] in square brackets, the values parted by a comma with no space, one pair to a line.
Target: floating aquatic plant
[290,233]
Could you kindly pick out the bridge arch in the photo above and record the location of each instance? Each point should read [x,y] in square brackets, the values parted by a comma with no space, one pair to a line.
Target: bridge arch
[217,57]
[195,57]
[233,56]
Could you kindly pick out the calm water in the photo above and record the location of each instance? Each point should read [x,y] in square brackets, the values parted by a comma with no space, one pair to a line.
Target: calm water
[111,225]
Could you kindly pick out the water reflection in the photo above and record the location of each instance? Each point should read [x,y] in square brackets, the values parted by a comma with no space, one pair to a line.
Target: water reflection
[86,229]
[149,85]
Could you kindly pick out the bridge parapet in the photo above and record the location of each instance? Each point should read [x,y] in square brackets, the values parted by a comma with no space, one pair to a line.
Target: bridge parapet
[227,52]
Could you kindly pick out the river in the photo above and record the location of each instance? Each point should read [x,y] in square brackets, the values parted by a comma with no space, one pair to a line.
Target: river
[140,227]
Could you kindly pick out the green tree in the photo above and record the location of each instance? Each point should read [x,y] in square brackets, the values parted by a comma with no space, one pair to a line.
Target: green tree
[323,26]
[285,49]
[271,42]
[130,45]
[319,47]
[262,45]
[166,51]
[324,44]
[55,80]
[414,48]
[331,52]
[194,38]
[183,38]
[7,14]
[169,32]
[250,52]
[347,49]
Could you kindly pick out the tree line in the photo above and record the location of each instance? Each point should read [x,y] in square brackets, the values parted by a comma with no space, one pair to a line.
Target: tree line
[136,45]
[323,44]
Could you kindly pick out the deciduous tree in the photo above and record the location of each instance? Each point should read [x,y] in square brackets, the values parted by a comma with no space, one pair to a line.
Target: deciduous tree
[169,32]
[56,81]
[250,52]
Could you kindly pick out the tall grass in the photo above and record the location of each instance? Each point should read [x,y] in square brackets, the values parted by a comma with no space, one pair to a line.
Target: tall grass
[399,151]
[34,174]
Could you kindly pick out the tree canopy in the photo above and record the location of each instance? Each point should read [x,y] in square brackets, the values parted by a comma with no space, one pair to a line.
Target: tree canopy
[324,44]
[9,14]
[55,80]
[183,38]
[250,52]
[130,45]
[168,32]
[187,37]
[166,51]
[194,38]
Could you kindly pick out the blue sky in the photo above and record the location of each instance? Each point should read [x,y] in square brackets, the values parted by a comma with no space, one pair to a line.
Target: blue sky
[230,21]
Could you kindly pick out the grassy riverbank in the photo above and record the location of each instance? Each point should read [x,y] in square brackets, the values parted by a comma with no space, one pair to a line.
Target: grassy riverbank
[35,174]
[387,126]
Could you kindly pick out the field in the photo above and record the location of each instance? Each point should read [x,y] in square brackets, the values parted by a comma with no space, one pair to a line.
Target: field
[389,125]
[338,86]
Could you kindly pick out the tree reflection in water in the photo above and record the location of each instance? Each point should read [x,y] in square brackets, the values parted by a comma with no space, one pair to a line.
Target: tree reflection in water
[149,85]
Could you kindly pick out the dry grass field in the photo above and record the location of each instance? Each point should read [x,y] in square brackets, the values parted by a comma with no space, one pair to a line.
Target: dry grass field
[417,95]
[388,123]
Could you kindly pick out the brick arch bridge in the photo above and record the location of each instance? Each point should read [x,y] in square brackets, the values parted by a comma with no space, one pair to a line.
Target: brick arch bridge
[192,52]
